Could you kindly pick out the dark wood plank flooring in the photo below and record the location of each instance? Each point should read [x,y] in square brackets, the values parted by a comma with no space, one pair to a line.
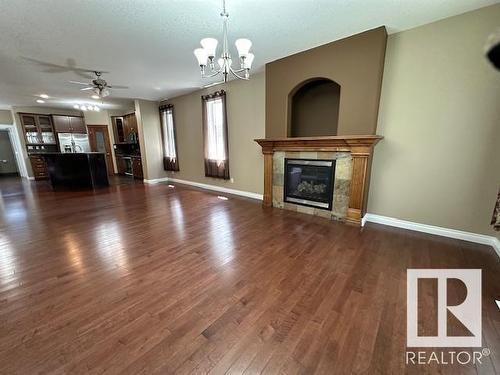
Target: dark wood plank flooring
[150,279]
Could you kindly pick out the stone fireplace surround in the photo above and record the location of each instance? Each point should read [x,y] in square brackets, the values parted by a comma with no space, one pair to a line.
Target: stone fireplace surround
[353,159]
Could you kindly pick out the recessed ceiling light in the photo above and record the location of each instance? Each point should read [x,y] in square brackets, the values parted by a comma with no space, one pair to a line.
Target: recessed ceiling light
[95,97]
[44,96]
[40,101]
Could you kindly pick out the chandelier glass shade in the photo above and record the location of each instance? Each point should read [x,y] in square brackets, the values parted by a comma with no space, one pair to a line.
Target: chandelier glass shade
[206,55]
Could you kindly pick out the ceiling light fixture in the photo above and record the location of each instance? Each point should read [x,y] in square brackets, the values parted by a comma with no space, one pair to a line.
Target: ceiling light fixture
[44,96]
[40,101]
[83,107]
[206,54]
[96,97]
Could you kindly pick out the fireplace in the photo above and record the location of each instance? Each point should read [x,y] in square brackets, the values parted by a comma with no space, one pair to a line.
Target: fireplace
[309,182]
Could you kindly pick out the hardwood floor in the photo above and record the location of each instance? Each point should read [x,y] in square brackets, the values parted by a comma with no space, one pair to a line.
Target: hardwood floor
[151,279]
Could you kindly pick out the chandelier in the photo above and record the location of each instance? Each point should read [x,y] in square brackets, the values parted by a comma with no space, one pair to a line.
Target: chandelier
[206,55]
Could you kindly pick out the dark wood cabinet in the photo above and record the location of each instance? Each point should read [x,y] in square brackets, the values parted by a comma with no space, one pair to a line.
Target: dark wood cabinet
[61,124]
[118,129]
[39,167]
[137,167]
[77,124]
[69,124]
[121,165]
[38,129]
[125,128]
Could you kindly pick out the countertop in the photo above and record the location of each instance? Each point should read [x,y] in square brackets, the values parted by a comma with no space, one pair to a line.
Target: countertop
[65,153]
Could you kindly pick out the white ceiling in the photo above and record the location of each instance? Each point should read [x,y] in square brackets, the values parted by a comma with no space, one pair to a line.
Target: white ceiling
[147,44]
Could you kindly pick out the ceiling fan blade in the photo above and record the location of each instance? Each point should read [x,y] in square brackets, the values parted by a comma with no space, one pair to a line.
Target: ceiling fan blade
[117,87]
[80,83]
[86,88]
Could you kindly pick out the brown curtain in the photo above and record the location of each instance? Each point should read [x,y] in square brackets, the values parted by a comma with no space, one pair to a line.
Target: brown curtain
[216,149]
[495,220]
[169,138]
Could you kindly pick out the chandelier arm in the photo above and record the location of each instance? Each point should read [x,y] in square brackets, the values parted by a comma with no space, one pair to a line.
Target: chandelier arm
[237,75]
[213,74]
[239,70]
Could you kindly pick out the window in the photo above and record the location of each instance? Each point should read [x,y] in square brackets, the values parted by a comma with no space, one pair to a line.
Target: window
[170,161]
[215,135]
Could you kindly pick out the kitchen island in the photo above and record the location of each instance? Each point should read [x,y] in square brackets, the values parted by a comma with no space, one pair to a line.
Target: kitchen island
[85,170]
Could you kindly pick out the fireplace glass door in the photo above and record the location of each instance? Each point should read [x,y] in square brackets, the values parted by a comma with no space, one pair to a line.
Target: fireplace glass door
[309,182]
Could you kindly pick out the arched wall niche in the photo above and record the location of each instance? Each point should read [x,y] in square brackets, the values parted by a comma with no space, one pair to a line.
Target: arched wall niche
[313,108]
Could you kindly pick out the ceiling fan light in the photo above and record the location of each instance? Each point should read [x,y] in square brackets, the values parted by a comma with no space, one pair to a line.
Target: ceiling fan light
[209,45]
[105,93]
[247,63]
[95,96]
[243,46]
[44,96]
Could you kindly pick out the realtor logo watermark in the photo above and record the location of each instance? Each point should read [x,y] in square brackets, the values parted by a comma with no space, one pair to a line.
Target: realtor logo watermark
[468,312]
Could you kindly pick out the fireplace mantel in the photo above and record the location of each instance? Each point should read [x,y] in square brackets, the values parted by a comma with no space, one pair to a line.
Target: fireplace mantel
[360,147]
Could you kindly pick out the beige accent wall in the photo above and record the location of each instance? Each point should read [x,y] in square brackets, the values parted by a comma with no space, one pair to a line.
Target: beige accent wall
[245,112]
[439,163]
[356,63]
[5,117]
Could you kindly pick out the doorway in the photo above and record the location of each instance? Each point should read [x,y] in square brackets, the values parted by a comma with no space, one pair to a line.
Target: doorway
[8,163]
[99,142]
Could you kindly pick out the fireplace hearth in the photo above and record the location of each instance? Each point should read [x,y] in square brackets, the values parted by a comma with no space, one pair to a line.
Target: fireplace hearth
[309,182]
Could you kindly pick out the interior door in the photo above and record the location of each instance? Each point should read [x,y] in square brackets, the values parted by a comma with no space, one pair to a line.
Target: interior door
[99,142]
[8,165]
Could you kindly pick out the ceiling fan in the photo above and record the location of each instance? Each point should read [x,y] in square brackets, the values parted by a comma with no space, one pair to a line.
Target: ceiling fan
[98,85]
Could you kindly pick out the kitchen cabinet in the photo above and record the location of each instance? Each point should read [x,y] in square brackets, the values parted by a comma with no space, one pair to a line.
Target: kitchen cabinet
[125,128]
[118,129]
[77,124]
[137,167]
[121,165]
[69,124]
[38,129]
[39,167]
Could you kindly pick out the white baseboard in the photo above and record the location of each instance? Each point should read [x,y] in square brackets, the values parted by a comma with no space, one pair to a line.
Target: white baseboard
[246,194]
[155,180]
[431,229]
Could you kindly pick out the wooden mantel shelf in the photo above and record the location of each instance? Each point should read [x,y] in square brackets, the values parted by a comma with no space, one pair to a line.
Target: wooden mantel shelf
[335,143]
[360,147]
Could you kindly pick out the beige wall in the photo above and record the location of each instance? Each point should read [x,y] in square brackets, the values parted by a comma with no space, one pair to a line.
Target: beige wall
[245,112]
[355,63]
[439,163]
[5,117]
[148,123]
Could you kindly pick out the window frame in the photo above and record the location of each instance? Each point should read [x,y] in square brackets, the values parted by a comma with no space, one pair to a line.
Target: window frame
[218,168]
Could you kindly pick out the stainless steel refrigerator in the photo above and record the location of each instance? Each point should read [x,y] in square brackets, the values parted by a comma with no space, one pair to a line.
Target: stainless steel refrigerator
[72,142]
